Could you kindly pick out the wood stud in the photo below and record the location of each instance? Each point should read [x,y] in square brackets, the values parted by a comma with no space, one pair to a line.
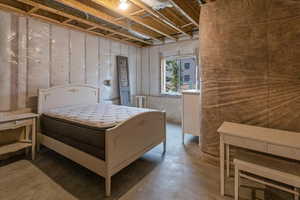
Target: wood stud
[157,27]
[159,16]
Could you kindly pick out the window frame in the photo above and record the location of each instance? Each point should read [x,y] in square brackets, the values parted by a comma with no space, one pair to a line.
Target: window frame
[162,87]
[186,78]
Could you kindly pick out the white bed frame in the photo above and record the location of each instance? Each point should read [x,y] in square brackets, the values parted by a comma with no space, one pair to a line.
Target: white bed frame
[124,143]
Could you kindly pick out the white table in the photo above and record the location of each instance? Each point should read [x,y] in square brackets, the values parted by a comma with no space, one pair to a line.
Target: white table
[271,141]
[25,120]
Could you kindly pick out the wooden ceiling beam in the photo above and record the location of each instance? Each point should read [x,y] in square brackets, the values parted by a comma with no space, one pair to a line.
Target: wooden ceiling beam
[71,17]
[110,34]
[137,12]
[92,11]
[67,21]
[189,24]
[33,10]
[9,8]
[162,18]
[183,9]
[133,13]
[111,6]
[91,28]
[83,30]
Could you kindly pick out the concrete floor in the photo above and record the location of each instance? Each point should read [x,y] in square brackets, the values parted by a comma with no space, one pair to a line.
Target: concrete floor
[179,175]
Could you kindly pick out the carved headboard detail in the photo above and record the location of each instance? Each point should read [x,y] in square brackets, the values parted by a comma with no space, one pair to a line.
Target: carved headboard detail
[66,95]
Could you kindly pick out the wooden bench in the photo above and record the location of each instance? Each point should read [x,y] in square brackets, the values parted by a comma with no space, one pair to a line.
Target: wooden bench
[280,143]
[271,171]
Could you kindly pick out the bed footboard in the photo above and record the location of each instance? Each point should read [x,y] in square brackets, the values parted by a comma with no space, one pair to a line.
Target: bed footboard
[131,139]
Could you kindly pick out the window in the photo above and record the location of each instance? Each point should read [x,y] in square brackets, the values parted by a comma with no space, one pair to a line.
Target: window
[186,65]
[186,78]
[178,73]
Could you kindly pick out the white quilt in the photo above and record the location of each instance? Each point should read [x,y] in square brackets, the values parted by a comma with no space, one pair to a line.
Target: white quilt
[96,115]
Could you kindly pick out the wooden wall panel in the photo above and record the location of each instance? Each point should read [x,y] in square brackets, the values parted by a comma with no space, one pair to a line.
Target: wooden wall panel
[139,71]
[59,56]
[22,63]
[154,75]
[105,70]
[77,57]
[171,105]
[46,55]
[115,51]
[38,59]
[92,59]
[172,49]
[145,71]
[14,59]
[5,70]
[124,50]
[132,60]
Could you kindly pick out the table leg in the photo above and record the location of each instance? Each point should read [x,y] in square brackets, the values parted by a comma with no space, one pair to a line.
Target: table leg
[222,162]
[27,128]
[296,196]
[236,183]
[227,160]
[33,136]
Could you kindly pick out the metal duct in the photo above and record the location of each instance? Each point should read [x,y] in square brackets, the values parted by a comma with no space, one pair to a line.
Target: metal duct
[158,4]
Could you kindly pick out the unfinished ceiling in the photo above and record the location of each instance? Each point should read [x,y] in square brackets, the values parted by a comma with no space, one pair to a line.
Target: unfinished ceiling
[142,24]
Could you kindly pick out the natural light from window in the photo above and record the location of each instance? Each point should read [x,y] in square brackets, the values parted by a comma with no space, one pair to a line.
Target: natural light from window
[177,74]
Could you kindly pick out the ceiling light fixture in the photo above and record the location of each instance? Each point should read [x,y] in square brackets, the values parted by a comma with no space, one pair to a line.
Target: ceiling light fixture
[201,2]
[123,5]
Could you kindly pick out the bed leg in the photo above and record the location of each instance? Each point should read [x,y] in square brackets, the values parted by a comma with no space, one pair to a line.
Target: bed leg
[108,186]
[38,142]
[165,147]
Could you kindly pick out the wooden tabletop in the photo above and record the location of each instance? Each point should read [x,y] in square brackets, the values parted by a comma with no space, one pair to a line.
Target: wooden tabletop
[273,136]
[8,118]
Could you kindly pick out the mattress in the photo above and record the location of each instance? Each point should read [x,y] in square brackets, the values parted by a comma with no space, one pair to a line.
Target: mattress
[96,115]
[83,126]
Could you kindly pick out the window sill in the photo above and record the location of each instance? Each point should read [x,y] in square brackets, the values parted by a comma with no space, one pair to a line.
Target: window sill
[170,95]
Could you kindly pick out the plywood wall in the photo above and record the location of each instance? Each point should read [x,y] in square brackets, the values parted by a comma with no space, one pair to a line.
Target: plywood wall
[35,54]
[150,76]
[38,59]
[5,68]
[60,59]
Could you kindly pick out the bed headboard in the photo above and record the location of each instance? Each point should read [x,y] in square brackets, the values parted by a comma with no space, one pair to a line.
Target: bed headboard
[66,95]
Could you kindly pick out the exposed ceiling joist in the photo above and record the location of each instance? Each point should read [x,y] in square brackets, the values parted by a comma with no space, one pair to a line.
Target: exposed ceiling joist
[111,5]
[142,23]
[185,10]
[9,8]
[92,11]
[133,13]
[67,21]
[71,17]
[159,16]
[189,24]
[33,10]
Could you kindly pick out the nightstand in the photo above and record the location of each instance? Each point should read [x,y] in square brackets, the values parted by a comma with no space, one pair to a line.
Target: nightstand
[190,113]
[27,120]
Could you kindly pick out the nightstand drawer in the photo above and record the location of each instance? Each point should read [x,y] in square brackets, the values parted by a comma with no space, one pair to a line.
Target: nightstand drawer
[15,124]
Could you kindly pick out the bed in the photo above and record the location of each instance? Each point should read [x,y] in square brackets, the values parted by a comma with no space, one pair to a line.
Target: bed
[104,138]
